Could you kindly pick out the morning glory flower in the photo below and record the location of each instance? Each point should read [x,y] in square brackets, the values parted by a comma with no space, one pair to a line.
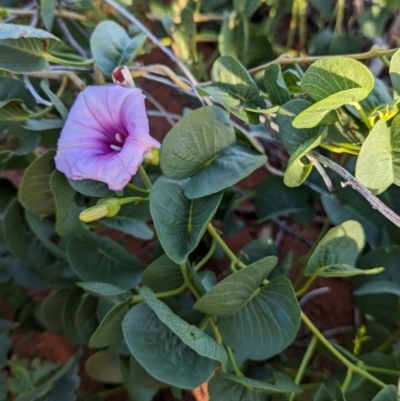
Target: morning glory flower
[105,136]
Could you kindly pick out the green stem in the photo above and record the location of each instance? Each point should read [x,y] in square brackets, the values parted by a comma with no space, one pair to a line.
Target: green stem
[385,61]
[207,256]
[166,294]
[188,283]
[360,110]
[137,189]
[132,199]
[382,370]
[218,338]
[292,25]
[304,363]
[145,178]
[347,380]
[72,63]
[234,259]
[204,323]
[306,286]
[336,353]
[235,367]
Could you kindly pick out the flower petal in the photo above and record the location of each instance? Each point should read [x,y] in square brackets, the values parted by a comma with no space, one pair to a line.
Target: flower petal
[95,119]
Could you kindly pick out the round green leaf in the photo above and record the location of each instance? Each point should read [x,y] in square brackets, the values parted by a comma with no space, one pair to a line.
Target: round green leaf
[169,348]
[35,192]
[96,258]
[112,47]
[180,222]
[257,322]
[333,82]
[243,284]
[195,141]
[332,75]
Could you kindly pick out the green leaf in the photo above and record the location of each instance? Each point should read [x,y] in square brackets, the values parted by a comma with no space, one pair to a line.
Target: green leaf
[103,366]
[109,331]
[298,142]
[35,192]
[322,394]
[67,211]
[379,287]
[333,82]
[180,222]
[51,307]
[243,284]
[103,290]
[36,225]
[232,165]
[275,85]
[27,48]
[196,140]
[203,146]
[162,275]
[91,188]
[226,386]
[71,329]
[378,164]
[58,104]
[273,199]
[295,138]
[169,348]
[235,89]
[336,254]
[394,71]
[389,393]
[22,242]
[244,40]
[347,204]
[244,319]
[111,46]
[96,258]
[248,8]
[47,9]
[129,225]
[85,317]
[139,384]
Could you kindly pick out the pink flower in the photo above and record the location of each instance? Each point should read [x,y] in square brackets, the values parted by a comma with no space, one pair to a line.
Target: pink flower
[105,136]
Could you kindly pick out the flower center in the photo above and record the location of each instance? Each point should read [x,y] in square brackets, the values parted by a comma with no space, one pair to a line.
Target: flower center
[119,140]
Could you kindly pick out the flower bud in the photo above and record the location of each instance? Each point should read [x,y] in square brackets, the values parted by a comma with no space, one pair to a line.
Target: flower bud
[107,207]
[152,156]
[113,206]
[122,76]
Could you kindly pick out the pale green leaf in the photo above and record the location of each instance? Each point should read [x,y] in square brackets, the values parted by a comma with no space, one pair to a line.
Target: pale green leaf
[103,366]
